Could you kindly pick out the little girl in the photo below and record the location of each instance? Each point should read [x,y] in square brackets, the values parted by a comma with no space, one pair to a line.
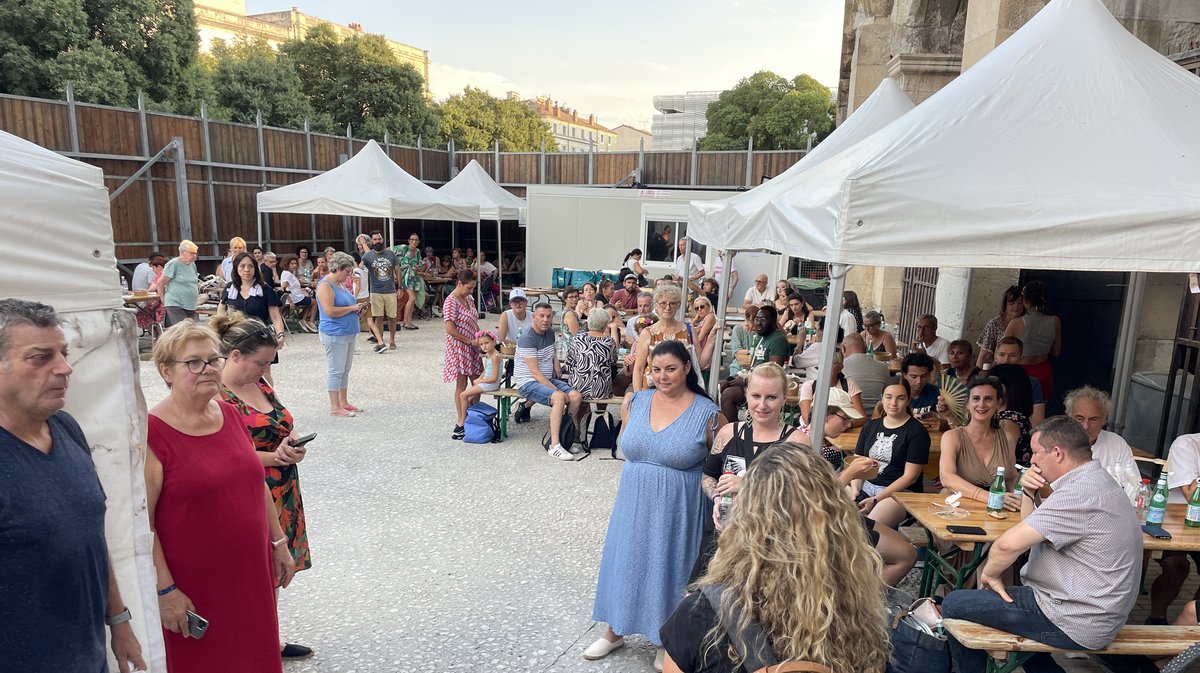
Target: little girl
[489,381]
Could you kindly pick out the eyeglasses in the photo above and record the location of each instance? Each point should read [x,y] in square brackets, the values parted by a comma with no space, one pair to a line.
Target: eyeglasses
[197,366]
[871,324]
[669,304]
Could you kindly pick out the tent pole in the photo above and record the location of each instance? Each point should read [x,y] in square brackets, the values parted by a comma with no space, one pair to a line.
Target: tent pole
[837,283]
[260,229]
[391,234]
[714,370]
[479,281]
[1126,345]
[499,262]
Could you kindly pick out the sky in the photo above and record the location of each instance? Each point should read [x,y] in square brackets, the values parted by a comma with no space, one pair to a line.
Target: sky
[607,59]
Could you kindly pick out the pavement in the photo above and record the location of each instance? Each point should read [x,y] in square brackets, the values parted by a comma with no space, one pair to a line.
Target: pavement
[431,554]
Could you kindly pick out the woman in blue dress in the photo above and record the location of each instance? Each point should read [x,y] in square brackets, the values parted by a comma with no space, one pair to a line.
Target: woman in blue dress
[655,527]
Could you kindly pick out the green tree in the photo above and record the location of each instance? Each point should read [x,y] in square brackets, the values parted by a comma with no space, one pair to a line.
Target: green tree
[777,113]
[248,77]
[476,120]
[359,81]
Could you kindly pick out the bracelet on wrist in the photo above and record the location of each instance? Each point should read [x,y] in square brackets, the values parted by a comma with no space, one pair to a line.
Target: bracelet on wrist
[119,618]
[166,590]
[276,543]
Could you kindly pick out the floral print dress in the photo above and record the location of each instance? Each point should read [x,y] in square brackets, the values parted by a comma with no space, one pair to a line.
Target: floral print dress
[268,431]
[461,359]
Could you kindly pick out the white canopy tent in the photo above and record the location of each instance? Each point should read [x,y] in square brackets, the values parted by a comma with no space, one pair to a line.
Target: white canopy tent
[55,204]
[473,185]
[733,221]
[1071,146]
[369,184]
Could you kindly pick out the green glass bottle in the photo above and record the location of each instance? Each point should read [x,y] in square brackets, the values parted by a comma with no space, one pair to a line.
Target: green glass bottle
[1192,519]
[995,501]
[1158,501]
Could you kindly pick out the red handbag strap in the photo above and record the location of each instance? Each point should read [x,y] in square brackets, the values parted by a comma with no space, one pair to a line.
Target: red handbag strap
[796,667]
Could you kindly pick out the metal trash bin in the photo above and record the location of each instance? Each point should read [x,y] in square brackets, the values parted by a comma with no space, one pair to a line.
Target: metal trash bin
[1143,417]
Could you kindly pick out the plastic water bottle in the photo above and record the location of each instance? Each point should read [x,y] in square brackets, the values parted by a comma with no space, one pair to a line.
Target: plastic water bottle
[1192,518]
[1143,500]
[124,285]
[995,501]
[1158,501]
[724,507]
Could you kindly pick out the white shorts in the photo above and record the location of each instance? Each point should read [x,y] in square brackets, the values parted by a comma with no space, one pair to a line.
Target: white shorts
[489,387]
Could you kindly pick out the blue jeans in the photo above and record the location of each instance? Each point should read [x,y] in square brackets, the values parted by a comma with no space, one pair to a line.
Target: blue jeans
[339,355]
[1022,617]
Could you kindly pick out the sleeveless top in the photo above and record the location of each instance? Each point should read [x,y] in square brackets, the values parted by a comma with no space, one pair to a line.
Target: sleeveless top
[341,325]
[1039,334]
[517,327]
[487,367]
[684,335]
[740,451]
[972,468]
[562,324]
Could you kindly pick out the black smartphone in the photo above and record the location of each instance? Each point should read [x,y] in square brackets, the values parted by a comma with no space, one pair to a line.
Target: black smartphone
[966,530]
[1155,531]
[303,440]
[197,625]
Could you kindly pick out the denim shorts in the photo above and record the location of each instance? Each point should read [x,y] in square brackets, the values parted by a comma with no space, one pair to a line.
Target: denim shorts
[534,391]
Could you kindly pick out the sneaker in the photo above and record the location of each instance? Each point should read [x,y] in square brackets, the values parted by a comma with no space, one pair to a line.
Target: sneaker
[294,651]
[557,451]
[659,659]
[380,348]
[372,340]
[459,432]
[521,415]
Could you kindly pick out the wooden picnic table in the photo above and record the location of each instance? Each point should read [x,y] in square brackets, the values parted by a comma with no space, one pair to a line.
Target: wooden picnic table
[848,441]
[135,299]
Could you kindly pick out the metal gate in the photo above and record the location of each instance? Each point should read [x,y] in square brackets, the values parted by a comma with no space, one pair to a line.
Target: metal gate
[916,299]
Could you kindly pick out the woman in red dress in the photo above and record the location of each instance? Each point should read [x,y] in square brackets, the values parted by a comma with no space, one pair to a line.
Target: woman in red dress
[219,550]
[462,322]
[250,346]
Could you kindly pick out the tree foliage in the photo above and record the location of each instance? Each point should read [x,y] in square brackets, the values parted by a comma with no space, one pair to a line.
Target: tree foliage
[476,120]
[359,81]
[777,113]
[109,49]
[249,77]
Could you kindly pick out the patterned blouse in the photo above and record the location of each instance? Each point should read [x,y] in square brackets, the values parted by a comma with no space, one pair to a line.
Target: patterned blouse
[590,360]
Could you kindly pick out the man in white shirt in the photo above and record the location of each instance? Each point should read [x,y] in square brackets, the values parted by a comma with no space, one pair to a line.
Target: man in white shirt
[1183,463]
[927,340]
[1090,408]
[145,272]
[237,245]
[718,275]
[690,270]
[758,294]
[645,302]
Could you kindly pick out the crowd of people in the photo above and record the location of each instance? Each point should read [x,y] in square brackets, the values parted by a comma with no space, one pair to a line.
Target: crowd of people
[727,519]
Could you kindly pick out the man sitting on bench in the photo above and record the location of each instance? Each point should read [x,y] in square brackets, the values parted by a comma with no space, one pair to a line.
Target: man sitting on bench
[537,376]
[1085,557]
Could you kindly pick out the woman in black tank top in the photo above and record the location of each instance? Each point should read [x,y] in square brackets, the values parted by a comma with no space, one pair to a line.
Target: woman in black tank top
[737,443]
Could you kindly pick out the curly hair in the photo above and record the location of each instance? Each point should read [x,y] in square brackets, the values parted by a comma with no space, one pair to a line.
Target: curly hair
[795,558]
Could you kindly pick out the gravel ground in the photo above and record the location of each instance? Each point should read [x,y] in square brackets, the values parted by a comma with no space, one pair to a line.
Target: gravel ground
[432,554]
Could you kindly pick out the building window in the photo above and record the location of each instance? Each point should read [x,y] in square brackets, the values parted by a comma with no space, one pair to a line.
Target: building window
[662,227]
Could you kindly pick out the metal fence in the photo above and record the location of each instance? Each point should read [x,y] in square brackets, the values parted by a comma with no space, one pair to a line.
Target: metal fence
[177,177]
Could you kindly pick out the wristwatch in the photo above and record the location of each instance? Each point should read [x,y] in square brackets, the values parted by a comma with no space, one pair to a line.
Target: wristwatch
[119,618]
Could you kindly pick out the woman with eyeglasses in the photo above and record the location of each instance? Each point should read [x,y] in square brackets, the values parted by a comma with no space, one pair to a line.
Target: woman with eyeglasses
[568,320]
[971,453]
[248,347]
[219,549]
[248,294]
[873,335]
[667,300]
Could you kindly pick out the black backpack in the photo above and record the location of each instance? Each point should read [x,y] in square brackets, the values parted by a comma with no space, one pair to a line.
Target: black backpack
[601,432]
[567,432]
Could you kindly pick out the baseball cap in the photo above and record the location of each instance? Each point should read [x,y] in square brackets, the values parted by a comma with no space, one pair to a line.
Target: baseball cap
[841,399]
[517,294]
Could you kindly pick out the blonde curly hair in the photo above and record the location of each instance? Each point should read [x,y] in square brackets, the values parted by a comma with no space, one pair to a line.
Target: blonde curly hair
[795,558]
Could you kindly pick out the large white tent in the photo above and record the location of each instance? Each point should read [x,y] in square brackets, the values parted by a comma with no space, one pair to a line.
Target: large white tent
[369,184]
[55,206]
[734,222]
[1072,145]
[474,185]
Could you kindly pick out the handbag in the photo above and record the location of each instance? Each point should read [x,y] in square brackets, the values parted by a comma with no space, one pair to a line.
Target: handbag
[752,645]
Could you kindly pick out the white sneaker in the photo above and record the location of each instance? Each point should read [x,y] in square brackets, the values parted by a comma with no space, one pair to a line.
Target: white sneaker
[602,648]
[658,659]
[557,451]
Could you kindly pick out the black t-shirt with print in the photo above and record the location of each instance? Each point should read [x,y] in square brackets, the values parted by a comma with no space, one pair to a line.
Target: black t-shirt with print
[908,443]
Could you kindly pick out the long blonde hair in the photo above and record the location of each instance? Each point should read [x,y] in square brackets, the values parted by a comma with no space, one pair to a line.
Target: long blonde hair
[795,558]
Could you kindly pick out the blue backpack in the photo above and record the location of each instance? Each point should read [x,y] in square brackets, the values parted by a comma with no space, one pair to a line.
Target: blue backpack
[482,425]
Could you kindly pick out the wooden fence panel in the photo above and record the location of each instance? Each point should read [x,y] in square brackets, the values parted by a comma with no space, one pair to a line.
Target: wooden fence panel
[774,163]
[612,167]
[519,168]
[667,168]
[105,130]
[721,169]
[38,121]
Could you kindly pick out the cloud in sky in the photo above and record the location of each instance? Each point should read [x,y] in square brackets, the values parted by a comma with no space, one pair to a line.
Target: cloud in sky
[605,60]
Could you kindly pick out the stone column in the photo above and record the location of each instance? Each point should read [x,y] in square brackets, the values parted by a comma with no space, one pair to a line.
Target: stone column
[990,22]
[922,75]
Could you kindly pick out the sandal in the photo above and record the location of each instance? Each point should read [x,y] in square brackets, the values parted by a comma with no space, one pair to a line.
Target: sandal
[411,326]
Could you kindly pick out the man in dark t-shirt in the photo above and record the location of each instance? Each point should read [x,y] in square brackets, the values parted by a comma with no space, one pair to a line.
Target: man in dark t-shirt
[915,367]
[57,589]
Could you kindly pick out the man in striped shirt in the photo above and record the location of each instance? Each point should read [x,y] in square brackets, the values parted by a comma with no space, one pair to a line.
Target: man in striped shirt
[1085,556]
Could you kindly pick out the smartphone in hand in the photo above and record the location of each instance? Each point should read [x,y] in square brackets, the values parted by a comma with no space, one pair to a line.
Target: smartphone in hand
[197,625]
[303,440]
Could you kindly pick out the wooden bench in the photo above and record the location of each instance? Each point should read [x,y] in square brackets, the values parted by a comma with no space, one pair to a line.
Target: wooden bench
[504,401]
[915,535]
[1007,651]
